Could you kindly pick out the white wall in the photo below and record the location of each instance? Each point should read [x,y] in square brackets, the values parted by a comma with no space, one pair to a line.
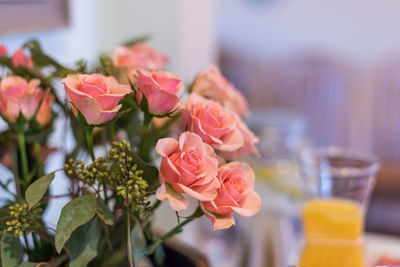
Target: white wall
[182,30]
[361,30]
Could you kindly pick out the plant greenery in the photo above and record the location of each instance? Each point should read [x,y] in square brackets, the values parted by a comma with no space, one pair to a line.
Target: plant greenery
[108,218]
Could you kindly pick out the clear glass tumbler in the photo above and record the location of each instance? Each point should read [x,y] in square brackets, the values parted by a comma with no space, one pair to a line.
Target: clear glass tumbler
[345,173]
[333,214]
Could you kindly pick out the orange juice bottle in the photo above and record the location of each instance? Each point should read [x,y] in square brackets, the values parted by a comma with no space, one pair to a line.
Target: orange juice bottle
[333,230]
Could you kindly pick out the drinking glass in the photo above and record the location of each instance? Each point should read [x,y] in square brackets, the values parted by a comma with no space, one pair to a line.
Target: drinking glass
[333,215]
[346,173]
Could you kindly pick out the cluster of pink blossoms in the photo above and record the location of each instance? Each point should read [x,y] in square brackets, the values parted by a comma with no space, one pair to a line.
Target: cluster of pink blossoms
[194,165]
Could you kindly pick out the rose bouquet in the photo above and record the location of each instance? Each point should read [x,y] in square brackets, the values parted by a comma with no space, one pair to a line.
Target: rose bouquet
[136,143]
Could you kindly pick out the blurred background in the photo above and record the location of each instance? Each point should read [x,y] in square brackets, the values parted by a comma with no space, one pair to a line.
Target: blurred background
[326,71]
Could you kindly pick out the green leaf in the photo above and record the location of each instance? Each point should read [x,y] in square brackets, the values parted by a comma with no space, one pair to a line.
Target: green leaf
[115,258]
[29,264]
[11,250]
[39,57]
[74,214]
[83,243]
[4,213]
[136,40]
[104,212]
[41,134]
[36,190]
[138,242]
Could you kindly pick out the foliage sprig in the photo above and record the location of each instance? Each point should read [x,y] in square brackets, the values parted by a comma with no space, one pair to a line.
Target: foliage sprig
[23,220]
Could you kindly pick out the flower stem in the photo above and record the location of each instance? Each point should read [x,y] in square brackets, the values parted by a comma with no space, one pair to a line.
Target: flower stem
[177,229]
[89,139]
[142,147]
[16,175]
[24,158]
[128,233]
[38,160]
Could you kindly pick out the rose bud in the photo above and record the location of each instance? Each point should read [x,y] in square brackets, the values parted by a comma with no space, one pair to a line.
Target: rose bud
[3,50]
[211,84]
[139,55]
[20,59]
[160,89]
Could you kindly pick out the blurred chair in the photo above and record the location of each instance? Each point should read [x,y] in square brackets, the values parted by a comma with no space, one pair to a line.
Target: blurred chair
[321,89]
[377,115]
[315,85]
[342,106]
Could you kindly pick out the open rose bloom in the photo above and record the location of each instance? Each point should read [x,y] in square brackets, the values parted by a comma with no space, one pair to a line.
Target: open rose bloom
[236,194]
[139,55]
[211,84]
[95,96]
[218,126]
[18,96]
[188,166]
[161,89]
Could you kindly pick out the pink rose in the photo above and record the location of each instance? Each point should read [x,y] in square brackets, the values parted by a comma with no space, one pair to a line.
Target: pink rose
[20,59]
[160,88]
[211,84]
[188,166]
[95,96]
[249,140]
[139,55]
[236,194]
[3,50]
[216,125]
[17,95]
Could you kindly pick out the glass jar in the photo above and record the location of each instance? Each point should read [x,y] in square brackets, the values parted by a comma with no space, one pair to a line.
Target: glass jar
[280,183]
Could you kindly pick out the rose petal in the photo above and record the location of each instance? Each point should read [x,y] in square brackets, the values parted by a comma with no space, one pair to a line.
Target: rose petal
[93,84]
[169,171]
[160,102]
[29,103]
[176,200]
[202,193]
[166,146]
[70,84]
[232,141]
[219,221]
[249,205]
[92,112]
[108,102]
[12,86]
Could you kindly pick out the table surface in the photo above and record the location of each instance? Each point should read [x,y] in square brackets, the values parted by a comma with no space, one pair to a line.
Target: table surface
[377,245]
